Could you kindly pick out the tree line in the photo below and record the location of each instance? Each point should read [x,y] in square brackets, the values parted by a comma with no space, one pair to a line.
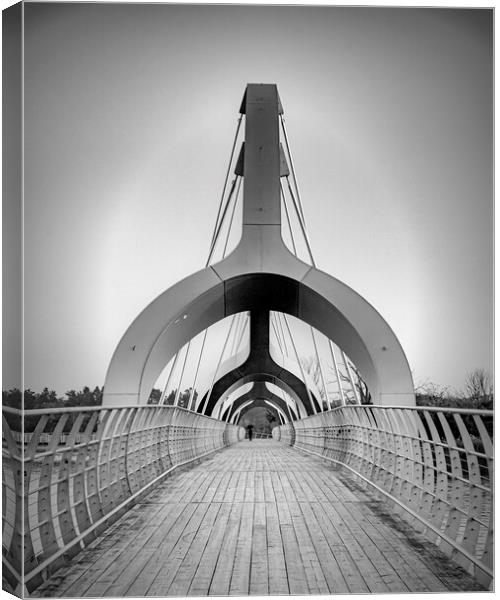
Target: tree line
[188,396]
[477,393]
[49,399]
[45,400]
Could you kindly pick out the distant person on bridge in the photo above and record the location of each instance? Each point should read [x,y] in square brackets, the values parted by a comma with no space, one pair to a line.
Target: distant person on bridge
[250,432]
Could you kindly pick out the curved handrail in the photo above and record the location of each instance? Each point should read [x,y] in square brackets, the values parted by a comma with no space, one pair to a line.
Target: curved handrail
[95,461]
[432,464]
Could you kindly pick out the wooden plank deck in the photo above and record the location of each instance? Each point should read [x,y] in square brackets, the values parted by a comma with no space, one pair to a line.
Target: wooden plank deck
[257,518]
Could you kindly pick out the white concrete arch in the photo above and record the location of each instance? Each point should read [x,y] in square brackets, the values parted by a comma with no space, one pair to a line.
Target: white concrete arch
[260,274]
[224,402]
[241,412]
[197,302]
[261,391]
[283,362]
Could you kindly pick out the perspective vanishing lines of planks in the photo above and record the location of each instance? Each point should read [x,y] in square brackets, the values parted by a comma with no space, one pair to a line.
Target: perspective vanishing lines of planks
[257,518]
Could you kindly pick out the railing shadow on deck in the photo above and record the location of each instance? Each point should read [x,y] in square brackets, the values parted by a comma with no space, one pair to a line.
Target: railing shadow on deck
[434,466]
[76,470]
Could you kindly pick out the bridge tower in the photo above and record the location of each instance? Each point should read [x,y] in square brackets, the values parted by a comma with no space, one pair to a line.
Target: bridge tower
[259,276]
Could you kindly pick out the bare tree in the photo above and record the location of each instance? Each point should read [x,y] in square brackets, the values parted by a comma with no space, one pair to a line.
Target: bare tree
[312,367]
[429,389]
[479,384]
[361,385]
[429,393]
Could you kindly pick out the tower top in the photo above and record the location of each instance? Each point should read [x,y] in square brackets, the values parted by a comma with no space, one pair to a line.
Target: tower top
[261,193]
[256,87]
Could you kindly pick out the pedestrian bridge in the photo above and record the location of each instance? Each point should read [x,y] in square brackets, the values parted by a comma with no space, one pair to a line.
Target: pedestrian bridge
[359,493]
[159,500]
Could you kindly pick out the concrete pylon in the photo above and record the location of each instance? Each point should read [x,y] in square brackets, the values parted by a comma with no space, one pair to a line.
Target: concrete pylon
[260,274]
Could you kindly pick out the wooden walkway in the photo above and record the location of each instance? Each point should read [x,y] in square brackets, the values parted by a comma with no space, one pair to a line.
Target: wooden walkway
[257,518]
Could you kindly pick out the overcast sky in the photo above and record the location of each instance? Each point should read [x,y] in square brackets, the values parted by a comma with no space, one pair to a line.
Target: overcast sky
[130,112]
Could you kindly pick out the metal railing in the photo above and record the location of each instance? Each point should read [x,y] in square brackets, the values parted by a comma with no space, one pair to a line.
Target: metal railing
[260,435]
[79,469]
[434,466]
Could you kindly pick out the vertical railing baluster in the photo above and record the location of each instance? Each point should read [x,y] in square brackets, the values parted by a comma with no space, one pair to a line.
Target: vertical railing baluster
[130,451]
[432,464]
[474,502]
[94,475]
[424,461]
[438,511]
[87,466]
[456,489]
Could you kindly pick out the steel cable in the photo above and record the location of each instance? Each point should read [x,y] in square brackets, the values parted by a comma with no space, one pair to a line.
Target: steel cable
[226,178]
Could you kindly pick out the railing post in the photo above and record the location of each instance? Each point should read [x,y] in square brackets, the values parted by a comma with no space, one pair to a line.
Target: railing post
[425,462]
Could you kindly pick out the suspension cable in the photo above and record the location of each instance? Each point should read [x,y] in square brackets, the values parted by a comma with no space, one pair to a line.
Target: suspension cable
[221,222]
[300,214]
[232,216]
[312,260]
[300,365]
[280,326]
[277,336]
[339,382]
[223,255]
[236,332]
[292,168]
[226,178]
[320,369]
[351,380]
[178,392]
[302,224]
[288,405]
[210,254]
[298,205]
[174,364]
[242,333]
[288,219]
[193,389]
[218,365]
[215,235]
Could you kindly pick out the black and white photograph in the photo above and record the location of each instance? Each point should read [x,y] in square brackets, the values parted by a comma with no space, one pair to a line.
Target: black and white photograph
[248,299]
